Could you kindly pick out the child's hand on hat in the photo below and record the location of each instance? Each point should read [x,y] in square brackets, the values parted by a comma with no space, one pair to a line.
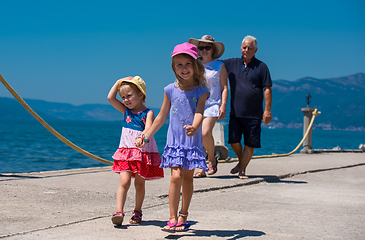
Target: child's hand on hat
[119,81]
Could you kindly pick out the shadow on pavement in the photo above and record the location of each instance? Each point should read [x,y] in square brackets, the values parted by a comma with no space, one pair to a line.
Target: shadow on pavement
[226,234]
[266,178]
[274,179]
[156,223]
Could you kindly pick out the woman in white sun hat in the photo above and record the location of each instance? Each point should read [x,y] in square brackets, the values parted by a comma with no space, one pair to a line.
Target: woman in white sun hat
[215,106]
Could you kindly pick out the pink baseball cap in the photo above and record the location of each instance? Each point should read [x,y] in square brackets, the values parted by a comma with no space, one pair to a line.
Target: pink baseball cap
[186,48]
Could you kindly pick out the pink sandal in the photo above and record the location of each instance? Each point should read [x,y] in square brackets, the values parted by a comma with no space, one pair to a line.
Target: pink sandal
[137,217]
[117,218]
[171,225]
[186,225]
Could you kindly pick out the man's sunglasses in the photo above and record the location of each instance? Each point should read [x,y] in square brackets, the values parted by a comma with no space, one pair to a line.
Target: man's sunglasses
[201,48]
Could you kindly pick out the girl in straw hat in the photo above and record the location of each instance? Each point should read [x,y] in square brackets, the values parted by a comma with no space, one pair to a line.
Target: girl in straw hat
[215,106]
[184,100]
[129,161]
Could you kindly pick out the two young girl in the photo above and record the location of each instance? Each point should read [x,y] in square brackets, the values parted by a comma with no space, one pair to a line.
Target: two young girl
[185,101]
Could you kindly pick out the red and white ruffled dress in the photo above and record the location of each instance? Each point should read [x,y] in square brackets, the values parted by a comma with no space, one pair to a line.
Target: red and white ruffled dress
[144,161]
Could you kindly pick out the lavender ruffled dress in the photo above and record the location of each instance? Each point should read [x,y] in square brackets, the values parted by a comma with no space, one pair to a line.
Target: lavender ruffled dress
[181,150]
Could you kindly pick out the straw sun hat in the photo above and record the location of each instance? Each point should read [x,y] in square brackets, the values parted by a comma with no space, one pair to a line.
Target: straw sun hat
[138,81]
[218,46]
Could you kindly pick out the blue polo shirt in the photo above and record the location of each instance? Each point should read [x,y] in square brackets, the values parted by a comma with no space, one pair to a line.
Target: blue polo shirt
[247,85]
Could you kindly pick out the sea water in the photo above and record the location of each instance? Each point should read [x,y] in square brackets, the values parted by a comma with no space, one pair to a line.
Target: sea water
[26,146]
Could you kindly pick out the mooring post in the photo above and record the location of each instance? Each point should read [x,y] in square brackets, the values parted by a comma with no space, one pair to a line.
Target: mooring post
[220,150]
[307,144]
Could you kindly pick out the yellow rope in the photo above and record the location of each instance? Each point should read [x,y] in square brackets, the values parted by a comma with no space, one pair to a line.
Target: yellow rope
[48,127]
[315,113]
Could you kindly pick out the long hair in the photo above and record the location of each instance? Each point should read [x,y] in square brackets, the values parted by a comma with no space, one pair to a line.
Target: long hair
[198,69]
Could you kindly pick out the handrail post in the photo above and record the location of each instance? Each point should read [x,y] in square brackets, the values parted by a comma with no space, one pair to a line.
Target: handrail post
[307,144]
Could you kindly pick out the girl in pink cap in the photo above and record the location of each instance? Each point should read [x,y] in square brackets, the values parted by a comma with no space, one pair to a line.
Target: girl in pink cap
[185,101]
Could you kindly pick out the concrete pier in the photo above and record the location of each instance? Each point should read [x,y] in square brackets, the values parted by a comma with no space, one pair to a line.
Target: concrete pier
[316,196]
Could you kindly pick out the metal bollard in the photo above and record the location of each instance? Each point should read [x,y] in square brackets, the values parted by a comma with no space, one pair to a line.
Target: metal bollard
[220,150]
[307,144]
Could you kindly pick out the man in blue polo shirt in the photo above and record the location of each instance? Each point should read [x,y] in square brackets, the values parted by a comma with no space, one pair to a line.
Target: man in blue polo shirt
[250,83]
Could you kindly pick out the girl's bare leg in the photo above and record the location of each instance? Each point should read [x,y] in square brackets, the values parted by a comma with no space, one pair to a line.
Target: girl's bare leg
[187,194]
[124,184]
[174,193]
[139,184]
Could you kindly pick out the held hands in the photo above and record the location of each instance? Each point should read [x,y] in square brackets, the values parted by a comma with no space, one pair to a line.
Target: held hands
[267,117]
[141,141]
[190,130]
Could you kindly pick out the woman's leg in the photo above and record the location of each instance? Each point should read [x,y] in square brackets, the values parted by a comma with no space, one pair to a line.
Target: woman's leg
[208,141]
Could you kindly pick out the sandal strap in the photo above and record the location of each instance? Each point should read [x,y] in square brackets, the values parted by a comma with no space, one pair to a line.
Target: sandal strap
[137,212]
[181,224]
[136,218]
[183,215]
[118,213]
[170,224]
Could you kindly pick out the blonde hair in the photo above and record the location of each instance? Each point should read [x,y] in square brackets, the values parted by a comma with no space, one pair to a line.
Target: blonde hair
[198,68]
[135,88]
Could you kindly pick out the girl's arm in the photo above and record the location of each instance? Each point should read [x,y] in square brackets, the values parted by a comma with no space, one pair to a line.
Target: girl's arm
[198,116]
[112,98]
[149,121]
[159,121]
[224,88]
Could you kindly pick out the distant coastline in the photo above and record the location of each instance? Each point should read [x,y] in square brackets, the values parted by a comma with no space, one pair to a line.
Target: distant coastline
[341,101]
[322,126]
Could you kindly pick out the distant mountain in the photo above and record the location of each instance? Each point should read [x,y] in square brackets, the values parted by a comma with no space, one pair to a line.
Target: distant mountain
[341,101]
[11,109]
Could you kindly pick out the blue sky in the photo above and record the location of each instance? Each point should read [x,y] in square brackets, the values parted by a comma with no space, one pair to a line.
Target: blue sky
[74,51]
